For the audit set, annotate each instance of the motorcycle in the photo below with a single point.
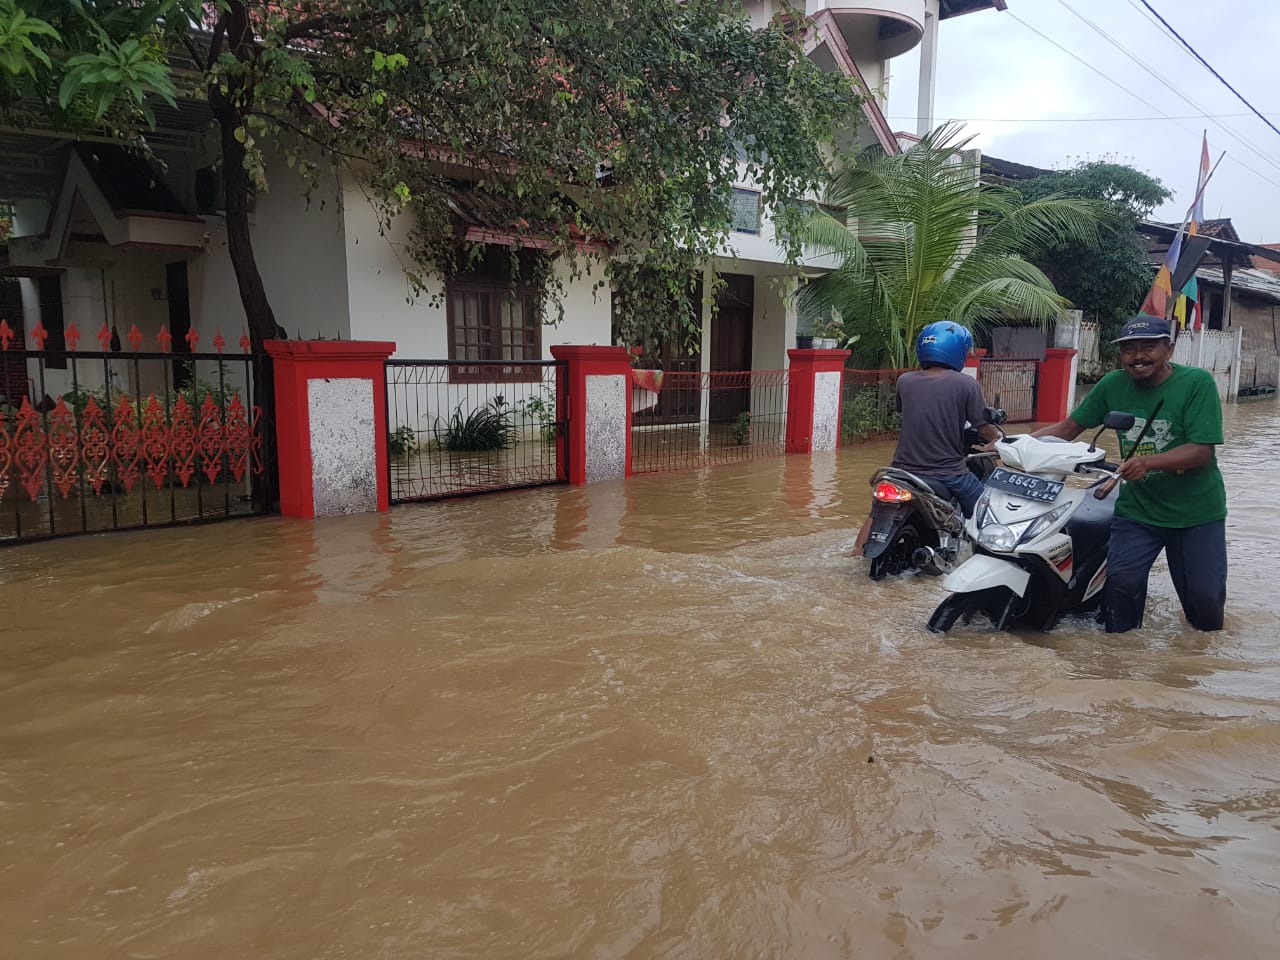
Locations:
(1040, 545)
(915, 523)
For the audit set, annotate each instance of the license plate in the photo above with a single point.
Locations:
(1025, 485)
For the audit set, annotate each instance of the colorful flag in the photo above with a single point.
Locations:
(1157, 302)
(1192, 289)
(1187, 304)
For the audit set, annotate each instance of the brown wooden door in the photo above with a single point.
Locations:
(13, 363)
(731, 334)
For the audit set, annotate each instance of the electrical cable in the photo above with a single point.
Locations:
(1168, 83)
(1192, 50)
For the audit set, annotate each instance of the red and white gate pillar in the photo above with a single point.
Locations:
(593, 400)
(1055, 384)
(331, 426)
(815, 388)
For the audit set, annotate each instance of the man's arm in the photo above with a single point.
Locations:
(1066, 429)
(989, 432)
(1182, 457)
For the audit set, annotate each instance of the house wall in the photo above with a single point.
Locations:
(300, 249)
(1259, 323)
(383, 305)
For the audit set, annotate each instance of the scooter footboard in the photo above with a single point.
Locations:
(981, 572)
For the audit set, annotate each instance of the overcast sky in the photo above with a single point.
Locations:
(1022, 96)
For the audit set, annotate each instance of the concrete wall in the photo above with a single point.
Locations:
(385, 307)
(1259, 323)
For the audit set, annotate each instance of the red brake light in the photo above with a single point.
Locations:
(887, 492)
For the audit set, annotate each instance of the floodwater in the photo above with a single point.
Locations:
(667, 718)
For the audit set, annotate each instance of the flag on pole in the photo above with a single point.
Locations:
(1183, 304)
(1157, 302)
(1188, 306)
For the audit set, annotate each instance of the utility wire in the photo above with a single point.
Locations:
(1168, 83)
(1162, 119)
(1139, 98)
(1195, 53)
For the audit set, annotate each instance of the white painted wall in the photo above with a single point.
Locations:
(301, 252)
(383, 306)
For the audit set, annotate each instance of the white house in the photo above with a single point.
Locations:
(102, 239)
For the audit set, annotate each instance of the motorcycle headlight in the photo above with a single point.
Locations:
(998, 538)
(1043, 523)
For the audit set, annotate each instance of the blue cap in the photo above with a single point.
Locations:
(1144, 327)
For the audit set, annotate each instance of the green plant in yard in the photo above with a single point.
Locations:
(742, 428)
(868, 413)
(401, 440)
(926, 240)
(541, 411)
(484, 428)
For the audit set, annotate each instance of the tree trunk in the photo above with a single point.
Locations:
(235, 179)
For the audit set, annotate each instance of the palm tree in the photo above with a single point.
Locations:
(926, 240)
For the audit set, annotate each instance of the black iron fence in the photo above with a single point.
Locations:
(869, 408)
(457, 428)
(1011, 385)
(699, 419)
(121, 438)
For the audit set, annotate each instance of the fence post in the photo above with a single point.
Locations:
(1066, 334)
(973, 363)
(593, 400)
(1056, 383)
(1235, 365)
(815, 394)
(331, 426)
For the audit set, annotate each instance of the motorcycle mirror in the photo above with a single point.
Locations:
(995, 415)
(1116, 420)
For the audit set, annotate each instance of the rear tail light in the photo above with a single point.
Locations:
(887, 492)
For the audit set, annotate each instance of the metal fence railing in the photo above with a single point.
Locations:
(1011, 386)
(121, 437)
(704, 419)
(869, 408)
(457, 428)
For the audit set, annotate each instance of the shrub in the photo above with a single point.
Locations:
(485, 428)
(869, 412)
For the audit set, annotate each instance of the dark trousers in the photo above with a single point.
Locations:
(1197, 563)
(965, 487)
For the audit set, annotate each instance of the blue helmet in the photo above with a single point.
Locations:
(945, 343)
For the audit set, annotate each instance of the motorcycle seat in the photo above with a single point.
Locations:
(936, 486)
(1090, 526)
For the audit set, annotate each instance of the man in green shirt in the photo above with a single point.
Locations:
(1172, 498)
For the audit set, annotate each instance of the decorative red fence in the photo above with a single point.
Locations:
(115, 439)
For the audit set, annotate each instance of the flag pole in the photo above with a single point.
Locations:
(1173, 294)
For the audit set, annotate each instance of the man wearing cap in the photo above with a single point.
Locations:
(1172, 497)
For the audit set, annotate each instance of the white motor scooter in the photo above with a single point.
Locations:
(1040, 544)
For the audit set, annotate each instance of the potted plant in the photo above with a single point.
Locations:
(830, 335)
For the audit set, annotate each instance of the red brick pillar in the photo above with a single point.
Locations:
(593, 399)
(1053, 391)
(973, 361)
(331, 426)
(815, 387)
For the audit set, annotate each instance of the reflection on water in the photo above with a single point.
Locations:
(663, 718)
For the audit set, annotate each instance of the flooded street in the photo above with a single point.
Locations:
(667, 718)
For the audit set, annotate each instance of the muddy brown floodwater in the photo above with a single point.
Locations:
(633, 720)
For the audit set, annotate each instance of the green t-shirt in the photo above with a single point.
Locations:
(1191, 413)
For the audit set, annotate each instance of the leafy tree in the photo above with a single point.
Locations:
(926, 240)
(589, 121)
(1107, 279)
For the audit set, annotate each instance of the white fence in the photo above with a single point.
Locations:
(1217, 351)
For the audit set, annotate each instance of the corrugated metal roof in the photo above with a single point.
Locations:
(1261, 283)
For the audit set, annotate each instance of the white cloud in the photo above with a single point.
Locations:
(992, 66)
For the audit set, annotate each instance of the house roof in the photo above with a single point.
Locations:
(1259, 283)
(1261, 262)
(1225, 244)
(1006, 171)
(955, 8)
